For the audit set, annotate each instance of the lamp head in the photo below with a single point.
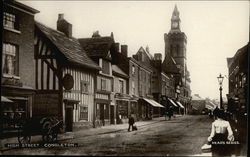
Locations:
(220, 79)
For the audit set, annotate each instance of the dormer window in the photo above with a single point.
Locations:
(10, 21)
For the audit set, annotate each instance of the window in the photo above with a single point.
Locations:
(10, 59)
(84, 87)
(9, 21)
(133, 69)
(121, 86)
(133, 87)
(103, 84)
(83, 113)
(105, 67)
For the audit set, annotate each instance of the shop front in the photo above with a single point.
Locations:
(16, 105)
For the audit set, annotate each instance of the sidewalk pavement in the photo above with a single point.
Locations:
(86, 132)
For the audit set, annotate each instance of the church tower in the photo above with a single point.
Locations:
(175, 48)
(175, 42)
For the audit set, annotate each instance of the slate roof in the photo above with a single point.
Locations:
(69, 47)
(117, 70)
(97, 46)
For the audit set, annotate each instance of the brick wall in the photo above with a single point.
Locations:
(25, 42)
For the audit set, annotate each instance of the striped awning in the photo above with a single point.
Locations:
(172, 102)
(180, 104)
(153, 103)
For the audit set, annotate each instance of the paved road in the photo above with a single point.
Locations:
(182, 136)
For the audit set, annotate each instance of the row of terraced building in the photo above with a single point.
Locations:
(86, 81)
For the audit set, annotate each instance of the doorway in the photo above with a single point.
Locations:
(112, 116)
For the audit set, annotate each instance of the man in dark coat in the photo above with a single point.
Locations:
(170, 112)
(131, 122)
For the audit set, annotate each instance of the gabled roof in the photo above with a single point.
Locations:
(169, 65)
(22, 6)
(196, 97)
(69, 47)
(229, 61)
(141, 49)
(97, 46)
(117, 70)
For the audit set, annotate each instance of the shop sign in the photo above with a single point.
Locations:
(68, 82)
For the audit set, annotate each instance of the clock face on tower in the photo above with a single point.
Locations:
(175, 24)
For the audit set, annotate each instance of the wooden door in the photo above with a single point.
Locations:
(102, 114)
(69, 119)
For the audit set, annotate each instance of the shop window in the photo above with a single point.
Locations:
(10, 21)
(122, 108)
(10, 59)
(83, 113)
(13, 112)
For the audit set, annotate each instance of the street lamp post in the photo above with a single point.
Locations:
(220, 80)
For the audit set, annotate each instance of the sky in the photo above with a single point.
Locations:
(215, 30)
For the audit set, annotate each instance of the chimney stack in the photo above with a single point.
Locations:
(158, 56)
(124, 50)
(117, 47)
(64, 26)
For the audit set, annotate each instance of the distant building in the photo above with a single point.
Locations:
(147, 107)
(131, 67)
(198, 105)
(163, 84)
(175, 48)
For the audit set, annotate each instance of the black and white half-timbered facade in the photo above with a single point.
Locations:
(64, 75)
(99, 50)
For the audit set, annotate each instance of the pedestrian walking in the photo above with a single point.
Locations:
(215, 111)
(221, 133)
(131, 122)
(170, 112)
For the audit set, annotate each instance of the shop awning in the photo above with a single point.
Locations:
(180, 104)
(4, 99)
(153, 103)
(172, 102)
